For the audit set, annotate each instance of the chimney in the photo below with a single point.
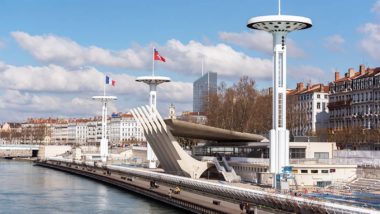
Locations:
(321, 87)
(362, 69)
(336, 75)
(300, 86)
(351, 72)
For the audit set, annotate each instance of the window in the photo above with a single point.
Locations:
(318, 105)
(321, 155)
(314, 171)
(318, 96)
(297, 153)
(325, 96)
(332, 170)
(304, 171)
(323, 183)
(324, 171)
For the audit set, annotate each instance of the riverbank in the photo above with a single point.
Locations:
(216, 193)
(187, 199)
(28, 189)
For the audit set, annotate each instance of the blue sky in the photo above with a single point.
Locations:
(53, 53)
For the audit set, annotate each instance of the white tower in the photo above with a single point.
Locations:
(104, 141)
(152, 81)
(279, 26)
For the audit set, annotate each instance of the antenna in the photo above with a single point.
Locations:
(203, 60)
(279, 7)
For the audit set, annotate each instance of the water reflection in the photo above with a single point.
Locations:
(25, 188)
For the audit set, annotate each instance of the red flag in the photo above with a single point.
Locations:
(157, 56)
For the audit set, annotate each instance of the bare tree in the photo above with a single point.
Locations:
(240, 107)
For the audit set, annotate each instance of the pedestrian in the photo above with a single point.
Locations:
(241, 205)
(247, 208)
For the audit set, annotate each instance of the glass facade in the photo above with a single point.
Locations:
(202, 88)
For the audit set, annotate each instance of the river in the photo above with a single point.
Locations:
(25, 188)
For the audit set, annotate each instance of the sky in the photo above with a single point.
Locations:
(54, 53)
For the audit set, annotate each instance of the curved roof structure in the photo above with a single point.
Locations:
(192, 130)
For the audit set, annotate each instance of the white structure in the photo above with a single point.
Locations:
(279, 26)
(124, 127)
(311, 104)
(152, 81)
(60, 133)
(104, 141)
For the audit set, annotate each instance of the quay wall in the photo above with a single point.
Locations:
(215, 190)
(130, 183)
(16, 153)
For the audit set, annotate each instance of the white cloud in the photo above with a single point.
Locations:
(220, 58)
(334, 43)
(51, 105)
(181, 57)
(306, 73)
(55, 91)
(260, 41)
(54, 49)
(57, 79)
(376, 7)
(370, 44)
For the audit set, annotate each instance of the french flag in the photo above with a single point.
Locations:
(110, 81)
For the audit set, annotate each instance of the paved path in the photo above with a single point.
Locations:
(187, 195)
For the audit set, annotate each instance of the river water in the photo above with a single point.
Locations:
(25, 188)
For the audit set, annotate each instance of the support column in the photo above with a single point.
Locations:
(104, 140)
(279, 136)
(151, 157)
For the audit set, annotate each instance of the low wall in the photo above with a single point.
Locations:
(369, 172)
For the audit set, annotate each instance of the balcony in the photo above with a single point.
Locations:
(339, 104)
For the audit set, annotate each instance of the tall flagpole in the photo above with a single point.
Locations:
(153, 63)
(104, 85)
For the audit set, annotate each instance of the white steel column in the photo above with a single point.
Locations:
(152, 81)
(104, 140)
(151, 157)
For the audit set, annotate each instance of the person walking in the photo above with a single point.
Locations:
(241, 205)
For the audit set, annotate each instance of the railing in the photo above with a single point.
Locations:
(338, 161)
(261, 161)
(356, 154)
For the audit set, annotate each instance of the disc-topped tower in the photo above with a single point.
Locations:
(104, 141)
(279, 26)
(153, 81)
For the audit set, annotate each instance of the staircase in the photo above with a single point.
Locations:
(226, 170)
(365, 184)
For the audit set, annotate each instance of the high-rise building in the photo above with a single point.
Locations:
(202, 88)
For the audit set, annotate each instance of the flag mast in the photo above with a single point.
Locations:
(153, 63)
(104, 85)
